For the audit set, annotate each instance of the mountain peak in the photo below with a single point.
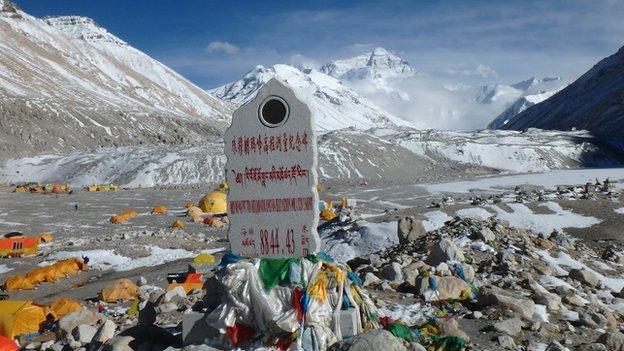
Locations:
(534, 83)
(377, 64)
(7, 6)
(83, 28)
(334, 105)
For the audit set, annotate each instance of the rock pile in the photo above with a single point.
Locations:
(525, 288)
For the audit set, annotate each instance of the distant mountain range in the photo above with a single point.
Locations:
(334, 105)
(594, 102)
(68, 84)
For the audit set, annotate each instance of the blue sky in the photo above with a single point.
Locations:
(213, 42)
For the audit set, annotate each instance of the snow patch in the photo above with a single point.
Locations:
(523, 217)
(109, 260)
(367, 238)
(435, 220)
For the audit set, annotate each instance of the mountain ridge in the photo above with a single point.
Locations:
(62, 74)
(334, 105)
(595, 102)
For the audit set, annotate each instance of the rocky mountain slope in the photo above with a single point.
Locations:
(379, 156)
(68, 84)
(333, 105)
(594, 102)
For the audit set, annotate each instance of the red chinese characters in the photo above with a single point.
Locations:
(267, 144)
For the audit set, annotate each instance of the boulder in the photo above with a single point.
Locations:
(544, 297)
(167, 307)
(84, 333)
(105, 332)
(119, 343)
(496, 296)
(592, 347)
(451, 328)
(374, 340)
(506, 342)
(614, 341)
(556, 346)
(70, 321)
(486, 234)
(592, 319)
(391, 272)
(176, 294)
(511, 326)
(443, 251)
(448, 287)
(584, 276)
(371, 279)
(442, 269)
(410, 229)
(410, 272)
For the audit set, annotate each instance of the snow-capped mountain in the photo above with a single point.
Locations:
(594, 102)
(519, 96)
(333, 105)
(509, 94)
(378, 64)
(387, 156)
(59, 75)
(517, 107)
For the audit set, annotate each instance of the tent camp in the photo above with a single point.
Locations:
(214, 202)
(18, 245)
(49, 274)
(62, 306)
(20, 317)
(159, 209)
(119, 290)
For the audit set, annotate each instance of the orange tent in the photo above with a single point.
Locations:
(194, 212)
(20, 317)
(18, 282)
(7, 344)
(46, 237)
(62, 306)
(194, 281)
(177, 224)
(18, 246)
(117, 219)
(119, 290)
(129, 213)
(48, 274)
(159, 209)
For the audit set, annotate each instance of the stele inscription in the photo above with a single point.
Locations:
(271, 172)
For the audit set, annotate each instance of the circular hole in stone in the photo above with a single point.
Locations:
(273, 112)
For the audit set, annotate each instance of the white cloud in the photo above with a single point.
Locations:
(484, 71)
(222, 46)
(302, 62)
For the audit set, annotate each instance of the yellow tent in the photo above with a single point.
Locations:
(20, 317)
(204, 258)
(117, 219)
(177, 224)
(46, 237)
(18, 282)
(119, 290)
(58, 270)
(62, 306)
(129, 214)
(328, 214)
(214, 202)
(159, 209)
(194, 212)
(48, 274)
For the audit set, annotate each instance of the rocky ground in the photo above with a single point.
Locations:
(520, 268)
